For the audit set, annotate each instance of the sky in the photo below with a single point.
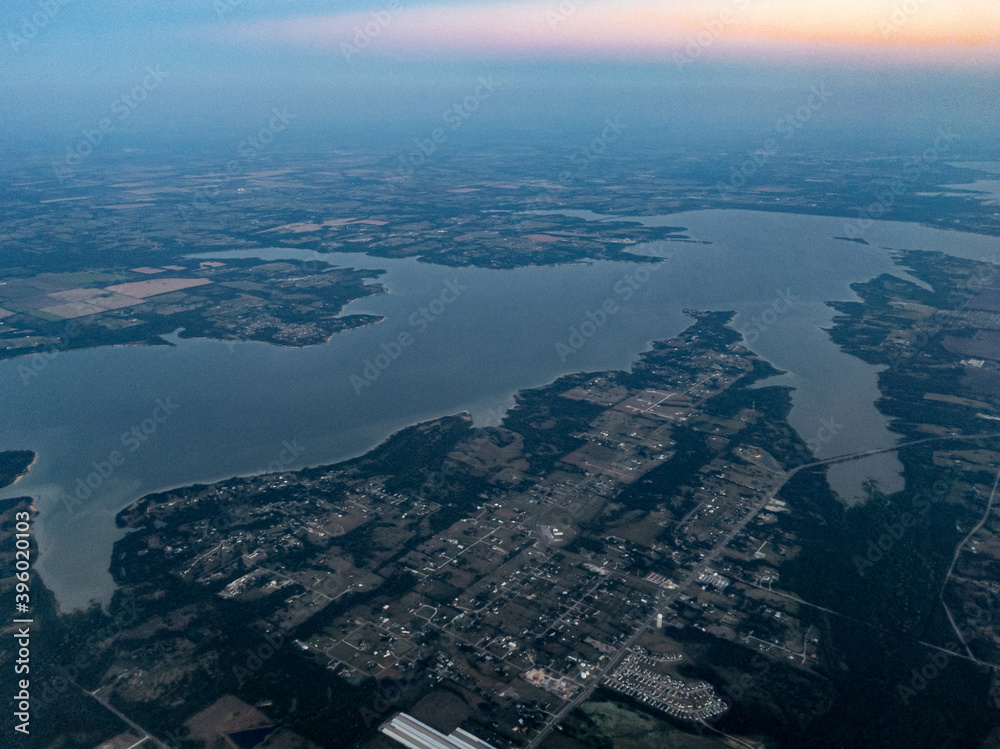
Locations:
(350, 73)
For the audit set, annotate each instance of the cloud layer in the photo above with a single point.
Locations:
(962, 31)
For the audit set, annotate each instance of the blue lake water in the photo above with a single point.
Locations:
(477, 337)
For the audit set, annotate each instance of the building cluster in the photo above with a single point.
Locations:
(713, 578)
(635, 678)
(413, 734)
(551, 681)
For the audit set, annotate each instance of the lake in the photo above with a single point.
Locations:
(202, 410)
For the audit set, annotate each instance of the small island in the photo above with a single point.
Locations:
(13, 465)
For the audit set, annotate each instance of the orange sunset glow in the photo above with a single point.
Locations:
(960, 30)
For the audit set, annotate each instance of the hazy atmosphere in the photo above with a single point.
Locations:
(482, 374)
(689, 72)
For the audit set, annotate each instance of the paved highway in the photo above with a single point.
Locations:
(697, 571)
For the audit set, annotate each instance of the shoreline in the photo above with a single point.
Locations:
(24, 472)
(364, 449)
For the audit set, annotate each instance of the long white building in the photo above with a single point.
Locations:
(413, 734)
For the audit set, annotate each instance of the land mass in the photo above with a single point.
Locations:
(106, 260)
(13, 465)
(649, 554)
(513, 580)
(287, 303)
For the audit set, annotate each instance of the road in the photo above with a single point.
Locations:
(670, 598)
(146, 735)
(954, 559)
(570, 706)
